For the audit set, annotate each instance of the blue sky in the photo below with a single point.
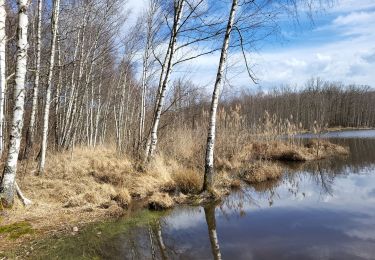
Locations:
(339, 46)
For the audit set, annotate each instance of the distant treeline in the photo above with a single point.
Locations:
(329, 104)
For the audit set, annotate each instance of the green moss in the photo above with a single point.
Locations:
(17, 230)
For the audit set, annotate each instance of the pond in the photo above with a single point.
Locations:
(319, 210)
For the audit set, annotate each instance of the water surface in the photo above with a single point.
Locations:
(319, 210)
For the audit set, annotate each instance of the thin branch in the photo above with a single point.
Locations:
(249, 71)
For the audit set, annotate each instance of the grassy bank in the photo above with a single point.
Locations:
(88, 185)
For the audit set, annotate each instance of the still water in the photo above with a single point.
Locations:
(319, 210)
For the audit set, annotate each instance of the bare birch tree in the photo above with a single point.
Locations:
(164, 77)
(30, 134)
(8, 182)
(2, 72)
(55, 20)
(150, 30)
(209, 159)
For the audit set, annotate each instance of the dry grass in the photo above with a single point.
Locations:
(282, 151)
(85, 183)
(185, 146)
(261, 172)
(188, 181)
(160, 201)
(122, 198)
(324, 149)
(86, 177)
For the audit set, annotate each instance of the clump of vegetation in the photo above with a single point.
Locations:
(260, 172)
(160, 201)
(278, 150)
(188, 181)
(326, 149)
(122, 198)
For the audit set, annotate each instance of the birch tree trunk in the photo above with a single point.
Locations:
(31, 129)
(2, 72)
(142, 112)
(179, 6)
(9, 174)
(209, 160)
(146, 64)
(57, 94)
(55, 20)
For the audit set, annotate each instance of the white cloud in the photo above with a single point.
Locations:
(340, 61)
(354, 18)
(136, 7)
(352, 5)
(347, 55)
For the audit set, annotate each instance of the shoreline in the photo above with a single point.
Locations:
(65, 205)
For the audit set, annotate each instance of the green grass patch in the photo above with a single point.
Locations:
(17, 229)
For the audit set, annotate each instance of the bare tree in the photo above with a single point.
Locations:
(55, 21)
(30, 134)
(165, 74)
(150, 31)
(8, 182)
(209, 159)
(2, 72)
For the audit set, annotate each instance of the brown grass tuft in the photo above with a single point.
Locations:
(260, 172)
(188, 181)
(160, 201)
(324, 148)
(235, 184)
(277, 150)
(122, 198)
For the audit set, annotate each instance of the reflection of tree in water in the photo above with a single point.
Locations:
(155, 234)
(151, 245)
(235, 203)
(209, 212)
(323, 172)
(144, 242)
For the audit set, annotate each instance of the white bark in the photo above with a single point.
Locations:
(31, 129)
(73, 96)
(10, 168)
(2, 72)
(55, 20)
(142, 113)
(99, 107)
(146, 65)
(179, 6)
(57, 95)
(209, 160)
(73, 100)
(25, 201)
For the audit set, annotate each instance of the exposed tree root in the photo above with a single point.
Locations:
(25, 201)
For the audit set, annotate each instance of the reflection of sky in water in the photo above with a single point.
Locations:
(324, 212)
(311, 226)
